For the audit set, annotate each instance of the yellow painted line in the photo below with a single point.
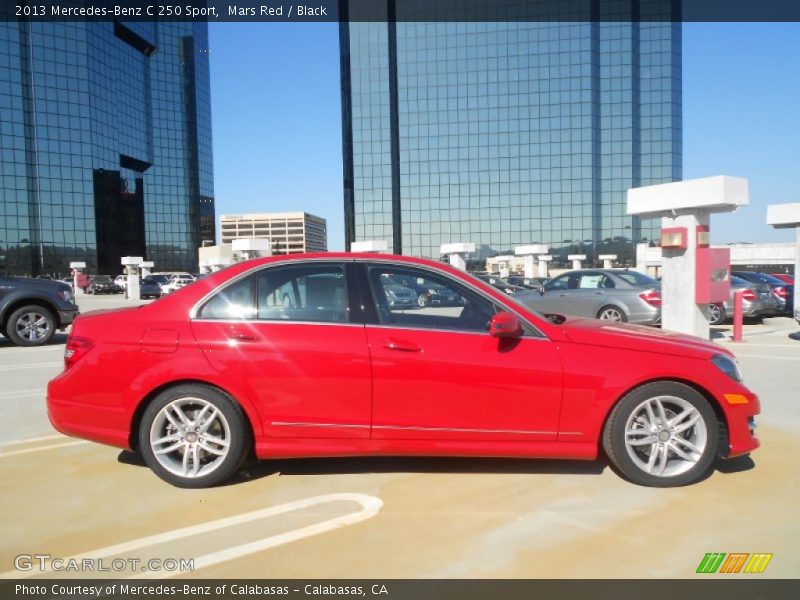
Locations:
(41, 448)
(369, 507)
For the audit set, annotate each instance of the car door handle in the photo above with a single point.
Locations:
(600, 293)
(563, 295)
(402, 346)
(241, 336)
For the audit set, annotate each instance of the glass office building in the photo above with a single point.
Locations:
(508, 133)
(105, 145)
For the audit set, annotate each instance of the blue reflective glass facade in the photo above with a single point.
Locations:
(506, 134)
(105, 145)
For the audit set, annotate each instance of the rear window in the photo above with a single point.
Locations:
(636, 278)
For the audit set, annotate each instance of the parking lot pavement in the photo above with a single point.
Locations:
(430, 517)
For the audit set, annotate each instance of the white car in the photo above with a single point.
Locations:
(121, 281)
(176, 282)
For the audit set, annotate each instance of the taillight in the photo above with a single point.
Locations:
(748, 295)
(780, 292)
(76, 348)
(653, 298)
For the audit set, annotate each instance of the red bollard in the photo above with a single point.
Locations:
(737, 316)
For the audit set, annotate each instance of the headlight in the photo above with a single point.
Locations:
(728, 366)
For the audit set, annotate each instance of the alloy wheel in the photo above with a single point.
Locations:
(611, 314)
(190, 437)
(665, 436)
(33, 326)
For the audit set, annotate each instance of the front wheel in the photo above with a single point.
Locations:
(31, 326)
(612, 313)
(194, 436)
(423, 300)
(663, 434)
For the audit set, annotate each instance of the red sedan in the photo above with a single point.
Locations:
(330, 355)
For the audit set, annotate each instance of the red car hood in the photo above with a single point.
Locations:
(639, 337)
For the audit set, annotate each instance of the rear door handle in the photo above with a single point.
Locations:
(600, 293)
(402, 346)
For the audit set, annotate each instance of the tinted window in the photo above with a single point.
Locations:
(568, 281)
(232, 302)
(434, 302)
(315, 293)
(636, 278)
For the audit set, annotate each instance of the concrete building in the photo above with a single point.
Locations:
(290, 233)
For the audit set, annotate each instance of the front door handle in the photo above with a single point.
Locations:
(401, 346)
(600, 293)
(241, 336)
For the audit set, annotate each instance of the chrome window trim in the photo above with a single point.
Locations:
(282, 322)
(193, 311)
(369, 259)
(538, 334)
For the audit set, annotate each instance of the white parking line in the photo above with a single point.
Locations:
(370, 505)
(38, 365)
(23, 393)
(40, 448)
(770, 357)
(43, 438)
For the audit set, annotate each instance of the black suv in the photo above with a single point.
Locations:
(32, 309)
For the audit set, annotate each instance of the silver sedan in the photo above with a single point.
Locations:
(610, 294)
(757, 300)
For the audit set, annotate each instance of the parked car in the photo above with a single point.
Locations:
(398, 295)
(757, 301)
(102, 284)
(529, 283)
(608, 294)
(176, 282)
(427, 293)
(121, 281)
(788, 279)
(230, 371)
(780, 289)
(150, 287)
(31, 310)
(500, 284)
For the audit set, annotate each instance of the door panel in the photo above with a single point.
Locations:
(463, 386)
(289, 336)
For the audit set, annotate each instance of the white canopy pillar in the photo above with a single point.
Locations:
(145, 267)
(77, 269)
(529, 254)
(370, 246)
(131, 264)
(247, 248)
(787, 216)
(456, 253)
(577, 260)
(543, 260)
(685, 208)
(607, 259)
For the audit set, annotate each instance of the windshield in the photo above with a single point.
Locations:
(101, 279)
(636, 278)
(764, 278)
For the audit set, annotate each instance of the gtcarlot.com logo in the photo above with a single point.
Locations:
(735, 562)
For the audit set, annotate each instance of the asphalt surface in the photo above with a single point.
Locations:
(397, 517)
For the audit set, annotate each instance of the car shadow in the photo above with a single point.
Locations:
(739, 464)
(58, 339)
(257, 469)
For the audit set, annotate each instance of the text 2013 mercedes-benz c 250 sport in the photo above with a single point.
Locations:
(303, 355)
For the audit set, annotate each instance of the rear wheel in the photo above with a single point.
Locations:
(716, 314)
(31, 326)
(194, 436)
(423, 300)
(612, 313)
(663, 434)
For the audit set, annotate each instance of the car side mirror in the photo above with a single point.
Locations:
(505, 325)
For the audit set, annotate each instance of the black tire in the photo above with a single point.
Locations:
(239, 441)
(423, 300)
(31, 325)
(610, 308)
(619, 452)
(716, 314)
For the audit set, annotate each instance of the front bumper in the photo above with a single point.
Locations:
(740, 417)
(66, 317)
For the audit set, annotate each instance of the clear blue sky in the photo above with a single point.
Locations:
(277, 118)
